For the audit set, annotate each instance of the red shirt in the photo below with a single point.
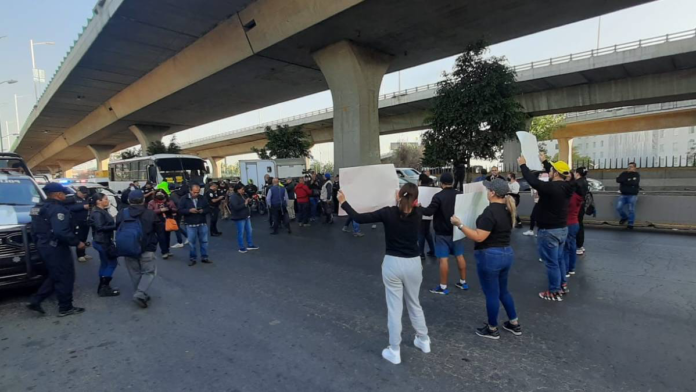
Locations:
(574, 209)
(302, 193)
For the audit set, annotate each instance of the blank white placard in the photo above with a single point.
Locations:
(369, 188)
(530, 150)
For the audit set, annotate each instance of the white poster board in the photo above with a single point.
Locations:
(425, 197)
(468, 207)
(530, 150)
(369, 188)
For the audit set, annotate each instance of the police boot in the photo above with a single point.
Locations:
(105, 289)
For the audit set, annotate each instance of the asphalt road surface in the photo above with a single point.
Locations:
(306, 312)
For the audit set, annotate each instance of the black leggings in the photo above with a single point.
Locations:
(580, 239)
(532, 218)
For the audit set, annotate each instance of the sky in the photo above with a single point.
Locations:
(61, 22)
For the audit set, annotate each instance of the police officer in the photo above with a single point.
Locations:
(214, 197)
(54, 235)
(79, 208)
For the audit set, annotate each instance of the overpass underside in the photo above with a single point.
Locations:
(144, 68)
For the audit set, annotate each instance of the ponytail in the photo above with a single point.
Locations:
(408, 194)
(512, 208)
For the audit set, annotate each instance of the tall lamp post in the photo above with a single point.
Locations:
(10, 81)
(39, 74)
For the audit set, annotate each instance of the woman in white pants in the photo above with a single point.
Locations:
(402, 272)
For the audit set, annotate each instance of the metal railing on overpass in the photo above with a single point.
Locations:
(607, 50)
(522, 67)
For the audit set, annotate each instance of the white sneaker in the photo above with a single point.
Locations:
(391, 355)
(579, 252)
(424, 345)
(177, 246)
(186, 243)
(88, 257)
(528, 232)
(345, 229)
(82, 259)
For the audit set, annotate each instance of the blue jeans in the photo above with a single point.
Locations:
(551, 243)
(314, 202)
(107, 266)
(570, 257)
(244, 228)
(493, 266)
(198, 234)
(630, 201)
(356, 225)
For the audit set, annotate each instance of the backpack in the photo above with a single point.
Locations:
(129, 236)
(590, 208)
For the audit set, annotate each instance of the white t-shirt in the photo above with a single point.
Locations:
(514, 187)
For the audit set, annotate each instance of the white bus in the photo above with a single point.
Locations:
(173, 168)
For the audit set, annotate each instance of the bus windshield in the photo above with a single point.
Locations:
(178, 170)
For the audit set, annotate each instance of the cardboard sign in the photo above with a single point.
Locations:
(425, 197)
(468, 207)
(530, 150)
(369, 188)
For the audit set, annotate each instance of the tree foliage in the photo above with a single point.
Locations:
(130, 153)
(158, 147)
(543, 126)
(474, 112)
(325, 167)
(406, 155)
(285, 142)
(577, 157)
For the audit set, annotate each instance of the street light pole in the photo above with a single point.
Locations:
(36, 72)
(16, 117)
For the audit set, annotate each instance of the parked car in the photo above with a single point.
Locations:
(20, 263)
(411, 175)
(94, 188)
(595, 185)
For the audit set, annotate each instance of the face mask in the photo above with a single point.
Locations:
(160, 197)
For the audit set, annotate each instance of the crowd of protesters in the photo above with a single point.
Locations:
(149, 214)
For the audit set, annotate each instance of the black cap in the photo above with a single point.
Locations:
(446, 178)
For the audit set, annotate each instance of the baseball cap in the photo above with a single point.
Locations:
(446, 178)
(561, 167)
(499, 186)
(54, 187)
(84, 190)
(135, 194)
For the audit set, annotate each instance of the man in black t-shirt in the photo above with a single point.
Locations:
(629, 185)
(214, 198)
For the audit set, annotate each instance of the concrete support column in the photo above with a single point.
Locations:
(354, 75)
(66, 168)
(217, 166)
(565, 150)
(512, 149)
(101, 154)
(147, 134)
(53, 170)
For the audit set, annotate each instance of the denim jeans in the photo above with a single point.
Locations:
(493, 266)
(107, 266)
(630, 201)
(356, 225)
(550, 243)
(570, 256)
(314, 201)
(198, 234)
(244, 228)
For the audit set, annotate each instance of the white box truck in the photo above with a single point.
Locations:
(281, 168)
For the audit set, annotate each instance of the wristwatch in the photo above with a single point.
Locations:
(460, 226)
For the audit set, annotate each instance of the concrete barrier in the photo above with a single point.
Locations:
(666, 209)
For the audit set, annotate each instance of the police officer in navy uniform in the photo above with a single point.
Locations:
(54, 234)
(79, 210)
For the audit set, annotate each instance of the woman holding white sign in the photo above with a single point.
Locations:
(494, 256)
(402, 273)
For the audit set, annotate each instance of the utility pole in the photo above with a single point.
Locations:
(16, 117)
(2, 144)
(599, 28)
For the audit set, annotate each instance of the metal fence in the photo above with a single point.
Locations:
(688, 160)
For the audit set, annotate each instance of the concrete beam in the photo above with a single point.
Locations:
(354, 75)
(66, 168)
(216, 166)
(101, 154)
(231, 150)
(656, 88)
(647, 122)
(147, 134)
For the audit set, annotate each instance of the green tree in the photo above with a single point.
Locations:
(474, 112)
(158, 147)
(173, 147)
(130, 153)
(543, 127)
(326, 167)
(285, 142)
(231, 170)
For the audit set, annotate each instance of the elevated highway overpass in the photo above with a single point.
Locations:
(145, 68)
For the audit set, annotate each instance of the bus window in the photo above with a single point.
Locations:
(119, 172)
(111, 174)
(182, 169)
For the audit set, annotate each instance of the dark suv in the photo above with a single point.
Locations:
(20, 264)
